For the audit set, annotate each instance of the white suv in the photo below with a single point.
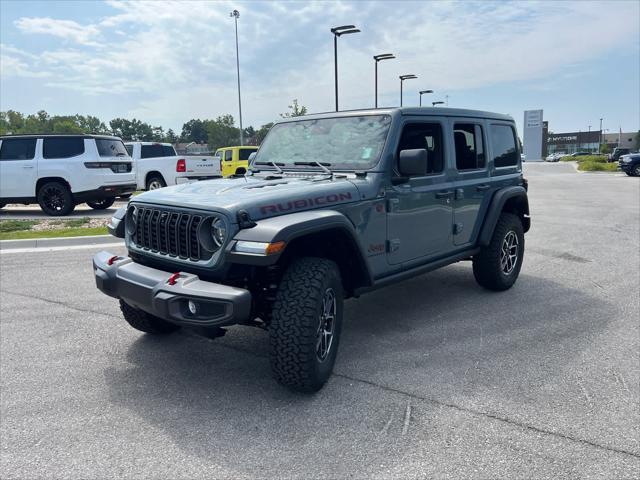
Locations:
(60, 171)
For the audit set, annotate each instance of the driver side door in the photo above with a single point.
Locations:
(420, 208)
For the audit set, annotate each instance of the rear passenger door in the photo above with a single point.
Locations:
(18, 167)
(471, 184)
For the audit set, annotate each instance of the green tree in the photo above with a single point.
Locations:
(222, 132)
(604, 148)
(194, 130)
(171, 137)
(262, 132)
(296, 110)
(65, 126)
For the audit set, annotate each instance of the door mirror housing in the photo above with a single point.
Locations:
(413, 162)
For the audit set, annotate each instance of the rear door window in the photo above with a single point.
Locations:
(111, 148)
(62, 147)
(129, 150)
(503, 144)
(152, 151)
(18, 149)
(168, 151)
(228, 155)
(469, 146)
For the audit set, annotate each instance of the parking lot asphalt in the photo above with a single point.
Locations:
(435, 376)
(33, 212)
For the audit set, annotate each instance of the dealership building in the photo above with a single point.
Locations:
(538, 141)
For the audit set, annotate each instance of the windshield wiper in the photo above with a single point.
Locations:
(275, 165)
(322, 165)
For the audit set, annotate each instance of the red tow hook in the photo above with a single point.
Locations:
(112, 259)
(173, 278)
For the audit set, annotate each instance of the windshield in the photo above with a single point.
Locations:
(352, 143)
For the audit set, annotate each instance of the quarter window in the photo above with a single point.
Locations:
(245, 152)
(62, 147)
(503, 144)
(18, 149)
(427, 136)
(469, 146)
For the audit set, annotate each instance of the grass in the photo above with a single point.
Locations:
(592, 163)
(56, 233)
(10, 226)
(77, 222)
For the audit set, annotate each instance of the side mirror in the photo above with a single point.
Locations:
(413, 162)
(252, 155)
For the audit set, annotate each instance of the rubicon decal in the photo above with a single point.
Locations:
(305, 203)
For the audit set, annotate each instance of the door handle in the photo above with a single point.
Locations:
(482, 188)
(27, 166)
(445, 194)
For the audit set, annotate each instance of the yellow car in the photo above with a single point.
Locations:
(234, 158)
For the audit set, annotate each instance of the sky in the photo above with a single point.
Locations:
(167, 62)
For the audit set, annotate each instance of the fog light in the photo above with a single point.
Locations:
(193, 307)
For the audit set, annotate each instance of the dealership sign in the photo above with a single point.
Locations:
(573, 138)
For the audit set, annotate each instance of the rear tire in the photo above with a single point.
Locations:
(55, 199)
(102, 204)
(497, 266)
(145, 322)
(306, 321)
(155, 182)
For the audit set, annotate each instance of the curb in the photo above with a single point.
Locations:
(58, 242)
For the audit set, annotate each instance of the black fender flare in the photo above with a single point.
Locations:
(496, 207)
(287, 228)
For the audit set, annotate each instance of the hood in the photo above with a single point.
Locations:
(259, 196)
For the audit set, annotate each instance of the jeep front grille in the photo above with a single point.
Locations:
(169, 233)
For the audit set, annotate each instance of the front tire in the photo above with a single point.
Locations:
(306, 321)
(636, 171)
(55, 199)
(497, 266)
(102, 204)
(145, 322)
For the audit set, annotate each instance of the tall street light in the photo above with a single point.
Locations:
(600, 136)
(236, 14)
(337, 32)
(402, 79)
(421, 92)
(378, 58)
(433, 104)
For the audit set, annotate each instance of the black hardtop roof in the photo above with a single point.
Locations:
(72, 135)
(407, 111)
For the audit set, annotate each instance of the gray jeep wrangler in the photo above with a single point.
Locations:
(334, 205)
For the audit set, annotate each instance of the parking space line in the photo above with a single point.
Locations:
(59, 248)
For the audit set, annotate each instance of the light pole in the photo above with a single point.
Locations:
(433, 104)
(446, 97)
(378, 58)
(402, 79)
(338, 31)
(236, 14)
(423, 92)
(600, 136)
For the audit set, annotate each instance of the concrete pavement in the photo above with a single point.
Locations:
(435, 377)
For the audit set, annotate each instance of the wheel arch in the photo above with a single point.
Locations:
(153, 173)
(325, 234)
(43, 180)
(513, 200)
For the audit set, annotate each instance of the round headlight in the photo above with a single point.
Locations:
(218, 232)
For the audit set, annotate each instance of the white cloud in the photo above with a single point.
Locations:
(65, 29)
(171, 61)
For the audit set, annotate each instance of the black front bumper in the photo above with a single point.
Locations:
(149, 289)
(102, 193)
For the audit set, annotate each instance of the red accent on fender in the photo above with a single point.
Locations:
(173, 278)
(112, 259)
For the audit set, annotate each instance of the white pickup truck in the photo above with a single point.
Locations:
(157, 165)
